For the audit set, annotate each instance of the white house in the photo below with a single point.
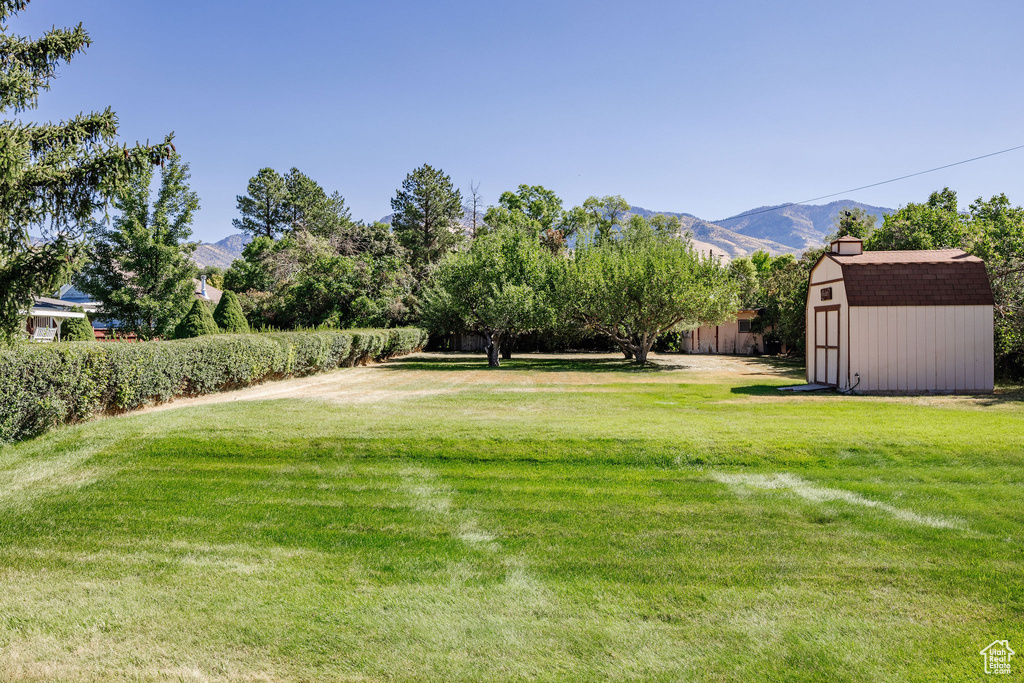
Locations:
(44, 319)
(899, 321)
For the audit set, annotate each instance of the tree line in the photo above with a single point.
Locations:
(525, 265)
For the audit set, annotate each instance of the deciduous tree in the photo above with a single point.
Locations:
(642, 284)
(500, 287)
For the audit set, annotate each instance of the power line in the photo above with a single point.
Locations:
(864, 187)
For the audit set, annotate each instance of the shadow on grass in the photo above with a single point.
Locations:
(580, 363)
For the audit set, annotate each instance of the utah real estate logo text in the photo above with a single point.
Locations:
(997, 657)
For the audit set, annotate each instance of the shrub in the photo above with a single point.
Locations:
(228, 315)
(197, 322)
(77, 329)
(44, 385)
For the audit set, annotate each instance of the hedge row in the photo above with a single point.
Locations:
(43, 385)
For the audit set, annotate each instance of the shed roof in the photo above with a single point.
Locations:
(933, 277)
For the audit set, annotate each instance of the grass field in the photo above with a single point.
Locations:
(563, 518)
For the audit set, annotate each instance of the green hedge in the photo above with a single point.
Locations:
(43, 385)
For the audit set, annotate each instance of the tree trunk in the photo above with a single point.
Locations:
(506, 347)
(640, 355)
(493, 349)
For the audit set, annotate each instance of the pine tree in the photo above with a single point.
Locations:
(264, 208)
(197, 322)
(53, 176)
(140, 266)
(228, 315)
(427, 214)
(77, 329)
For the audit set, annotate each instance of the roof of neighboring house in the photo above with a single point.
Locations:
(55, 308)
(212, 293)
(935, 277)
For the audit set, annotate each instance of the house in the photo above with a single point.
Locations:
(899, 321)
(107, 330)
(205, 292)
(43, 320)
(730, 337)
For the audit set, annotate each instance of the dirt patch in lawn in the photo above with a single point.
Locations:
(431, 374)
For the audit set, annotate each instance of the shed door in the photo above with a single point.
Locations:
(826, 345)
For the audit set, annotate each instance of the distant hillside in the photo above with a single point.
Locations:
(712, 238)
(797, 227)
(222, 253)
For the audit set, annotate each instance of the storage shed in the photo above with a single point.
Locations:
(899, 321)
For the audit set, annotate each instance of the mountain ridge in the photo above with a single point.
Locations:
(779, 229)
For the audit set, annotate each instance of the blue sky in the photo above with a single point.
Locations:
(711, 108)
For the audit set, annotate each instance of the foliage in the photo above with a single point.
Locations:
(356, 277)
(140, 268)
(214, 275)
(853, 222)
(197, 322)
(643, 284)
(252, 272)
(604, 215)
(500, 287)
(311, 209)
(228, 315)
(427, 218)
(53, 176)
(264, 207)
(744, 272)
(936, 224)
(43, 385)
(77, 329)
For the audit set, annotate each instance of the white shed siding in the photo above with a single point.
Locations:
(827, 274)
(922, 348)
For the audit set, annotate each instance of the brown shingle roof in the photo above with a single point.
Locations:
(938, 277)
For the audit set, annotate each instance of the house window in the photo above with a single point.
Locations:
(745, 326)
(826, 293)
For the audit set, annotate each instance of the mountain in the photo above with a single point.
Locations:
(797, 226)
(222, 253)
(712, 238)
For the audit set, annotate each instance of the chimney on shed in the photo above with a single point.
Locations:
(202, 283)
(848, 246)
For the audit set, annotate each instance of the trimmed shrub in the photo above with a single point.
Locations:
(77, 329)
(44, 385)
(197, 322)
(228, 315)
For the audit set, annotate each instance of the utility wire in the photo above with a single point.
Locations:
(864, 187)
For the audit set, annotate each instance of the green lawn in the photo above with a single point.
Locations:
(558, 519)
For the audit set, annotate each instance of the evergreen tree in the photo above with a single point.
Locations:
(53, 176)
(228, 315)
(77, 329)
(427, 214)
(197, 322)
(264, 208)
(141, 268)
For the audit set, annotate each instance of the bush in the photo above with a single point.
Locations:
(228, 315)
(44, 385)
(77, 329)
(197, 322)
